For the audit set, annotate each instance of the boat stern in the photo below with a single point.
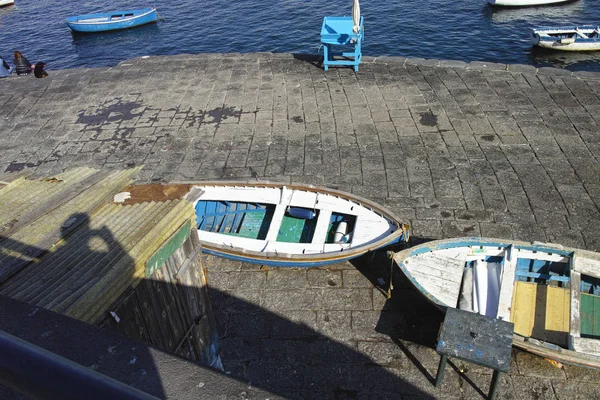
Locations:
(534, 37)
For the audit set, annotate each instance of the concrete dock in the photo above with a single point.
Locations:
(454, 149)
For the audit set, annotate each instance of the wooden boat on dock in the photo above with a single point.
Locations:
(550, 293)
(282, 225)
(578, 38)
(525, 3)
(110, 21)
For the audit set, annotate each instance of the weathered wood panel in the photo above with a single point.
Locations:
(541, 312)
(171, 309)
(590, 316)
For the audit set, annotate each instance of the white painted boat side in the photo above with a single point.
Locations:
(6, 2)
(524, 3)
(557, 45)
(370, 226)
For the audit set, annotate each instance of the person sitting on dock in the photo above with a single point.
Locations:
(5, 69)
(38, 70)
(22, 64)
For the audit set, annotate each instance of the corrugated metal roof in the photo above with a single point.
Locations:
(86, 270)
(33, 211)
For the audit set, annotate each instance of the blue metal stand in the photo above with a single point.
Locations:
(337, 31)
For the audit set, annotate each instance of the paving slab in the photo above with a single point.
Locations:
(456, 149)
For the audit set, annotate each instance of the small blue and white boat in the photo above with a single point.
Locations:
(573, 38)
(115, 20)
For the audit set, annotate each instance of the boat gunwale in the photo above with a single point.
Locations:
(83, 22)
(560, 354)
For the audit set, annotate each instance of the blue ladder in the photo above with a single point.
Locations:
(337, 31)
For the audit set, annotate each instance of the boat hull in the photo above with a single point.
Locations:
(584, 38)
(6, 2)
(293, 262)
(405, 258)
(525, 3)
(103, 22)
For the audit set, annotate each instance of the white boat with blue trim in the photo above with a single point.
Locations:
(290, 225)
(281, 225)
(551, 293)
(574, 38)
(525, 3)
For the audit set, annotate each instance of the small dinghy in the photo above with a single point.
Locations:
(525, 3)
(581, 38)
(290, 226)
(550, 293)
(111, 21)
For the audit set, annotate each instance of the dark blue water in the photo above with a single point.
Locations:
(464, 30)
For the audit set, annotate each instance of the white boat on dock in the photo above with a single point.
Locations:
(283, 225)
(578, 38)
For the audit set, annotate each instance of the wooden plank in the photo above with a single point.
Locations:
(590, 315)
(167, 249)
(432, 264)
(542, 256)
(586, 345)
(575, 320)
(507, 284)
(152, 314)
(587, 266)
(558, 309)
(523, 307)
(322, 228)
(548, 277)
(276, 223)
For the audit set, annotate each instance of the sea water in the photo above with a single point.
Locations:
(466, 30)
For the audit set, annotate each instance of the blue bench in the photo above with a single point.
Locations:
(337, 31)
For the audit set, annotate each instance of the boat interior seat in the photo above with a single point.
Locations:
(542, 312)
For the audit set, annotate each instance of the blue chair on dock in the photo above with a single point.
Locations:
(341, 45)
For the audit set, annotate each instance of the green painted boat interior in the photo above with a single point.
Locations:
(249, 220)
(297, 230)
(590, 307)
(252, 220)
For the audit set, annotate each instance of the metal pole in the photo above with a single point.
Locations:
(41, 374)
(440, 373)
(494, 385)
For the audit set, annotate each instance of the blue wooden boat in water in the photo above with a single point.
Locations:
(115, 20)
(551, 293)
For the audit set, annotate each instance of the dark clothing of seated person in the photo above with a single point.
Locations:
(22, 65)
(38, 70)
